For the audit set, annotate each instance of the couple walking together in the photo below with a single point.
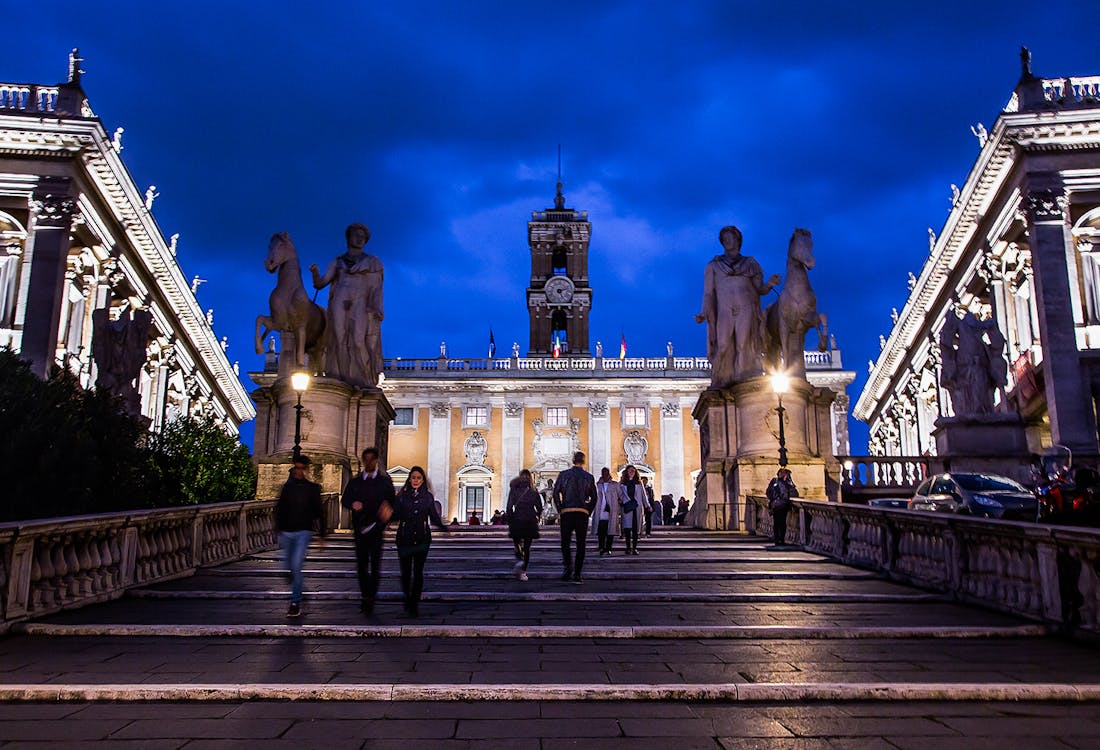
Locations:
(621, 509)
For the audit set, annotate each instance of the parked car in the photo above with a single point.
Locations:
(889, 502)
(985, 495)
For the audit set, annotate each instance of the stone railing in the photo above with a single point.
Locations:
(60, 563)
(511, 367)
(881, 472)
(1046, 573)
(20, 97)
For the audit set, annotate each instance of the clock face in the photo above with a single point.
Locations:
(559, 289)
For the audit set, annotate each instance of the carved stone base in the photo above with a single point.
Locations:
(1000, 435)
(739, 442)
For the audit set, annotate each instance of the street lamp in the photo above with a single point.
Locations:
(299, 381)
(781, 383)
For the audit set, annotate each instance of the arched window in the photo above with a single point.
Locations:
(557, 331)
(558, 263)
(1086, 234)
(12, 239)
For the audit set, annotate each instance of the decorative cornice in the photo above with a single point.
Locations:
(1047, 206)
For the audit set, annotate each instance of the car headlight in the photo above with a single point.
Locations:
(986, 501)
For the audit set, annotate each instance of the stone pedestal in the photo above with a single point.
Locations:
(739, 442)
(995, 443)
(338, 422)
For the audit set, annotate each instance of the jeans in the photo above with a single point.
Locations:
(523, 551)
(368, 563)
(630, 536)
(602, 537)
(573, 522)
(295, 545)
(412, 561)
(779, 525)
(648, 522)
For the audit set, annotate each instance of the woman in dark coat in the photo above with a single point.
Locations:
(524, 512)
(414, 510)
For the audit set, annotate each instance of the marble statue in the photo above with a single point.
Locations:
(151, 195)
(787, 320)
(119, 351)
(515, 348)
(732, 287)
(980, 133)
(291, 308)
(353, 350)
(974, 367)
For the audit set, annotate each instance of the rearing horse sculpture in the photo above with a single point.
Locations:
(787, 320)
(292, 311)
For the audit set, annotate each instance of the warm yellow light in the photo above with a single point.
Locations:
(299, 381)
(781, 382)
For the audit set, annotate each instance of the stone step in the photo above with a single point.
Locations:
(834, 573)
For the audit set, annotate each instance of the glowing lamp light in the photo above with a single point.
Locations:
(299, 381)
(781, 382)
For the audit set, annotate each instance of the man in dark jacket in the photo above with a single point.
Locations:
(649, 508)
(296, 511)
(574, 497)
(780, 491)
(369, 496)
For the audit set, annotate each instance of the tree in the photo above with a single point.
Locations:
(197, 462)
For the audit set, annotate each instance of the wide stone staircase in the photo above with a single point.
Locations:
(705, 639)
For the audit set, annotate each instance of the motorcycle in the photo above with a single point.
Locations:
(1067, 494)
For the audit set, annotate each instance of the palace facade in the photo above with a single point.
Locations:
(474, 423)
(1021, 246)
(77, 237)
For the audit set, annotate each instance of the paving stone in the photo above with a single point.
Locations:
(229, 728)
(587, 728)
(64, 730)
(408, 729)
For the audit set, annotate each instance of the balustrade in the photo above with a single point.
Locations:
(52, 564)
(1047, 573)
(883, 471)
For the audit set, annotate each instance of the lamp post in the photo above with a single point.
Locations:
(299, 381)
(781, 383)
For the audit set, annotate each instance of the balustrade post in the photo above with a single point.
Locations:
(242, 530)
(1050, 582)
(128, 549)
(954, 562)
(19, 578)
(196, 540)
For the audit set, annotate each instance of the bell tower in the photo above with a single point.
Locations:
(559, 297)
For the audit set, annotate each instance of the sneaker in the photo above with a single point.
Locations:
(517, 569)
(577, 580)
(567, 575)
(294, 610)
(523, 576)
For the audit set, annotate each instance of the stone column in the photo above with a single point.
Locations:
(1069, 402)
(439, 455)
(52, 207)
(672, 451)
(511, 445)
(599, 437)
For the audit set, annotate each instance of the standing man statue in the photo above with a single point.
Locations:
(732, 287)
(354, 352)
(974, 365)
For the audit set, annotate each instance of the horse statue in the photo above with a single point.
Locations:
(787, 320)
(292, 311)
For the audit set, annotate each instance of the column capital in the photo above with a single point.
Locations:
(1047, 205)
(52, 204)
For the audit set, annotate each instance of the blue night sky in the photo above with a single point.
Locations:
(437, 125)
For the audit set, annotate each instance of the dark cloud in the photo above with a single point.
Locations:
(438, 123)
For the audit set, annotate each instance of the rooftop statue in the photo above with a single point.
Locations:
(795, 312)
(973, 363)
(354, 340)
(732, 287)
(291, 308)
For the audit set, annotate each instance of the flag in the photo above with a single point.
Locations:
(622, 347)
(492, 344)
(557, 346)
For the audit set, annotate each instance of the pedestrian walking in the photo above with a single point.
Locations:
(524, 511)
(369, 496)
(632, 497)
(648, 506)
(669, 508)
(415, 510)
(606, 515)
(297, 510)
(681, 511)
(780, 491)
(574, 497)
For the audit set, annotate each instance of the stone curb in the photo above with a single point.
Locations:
(725, 692)
(555, 596)
(706, 632)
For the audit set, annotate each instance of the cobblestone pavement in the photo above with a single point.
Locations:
(703, 615)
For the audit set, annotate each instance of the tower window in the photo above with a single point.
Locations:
(557, 330)
(558, 265)
(557, 416)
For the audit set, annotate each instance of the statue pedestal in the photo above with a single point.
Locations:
(338, 422)
(995, 443)
(739, 442)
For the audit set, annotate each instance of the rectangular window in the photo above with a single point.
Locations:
(557, 416)
(475, 502)
(404, 416)
(634, 416)
(477, 416)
